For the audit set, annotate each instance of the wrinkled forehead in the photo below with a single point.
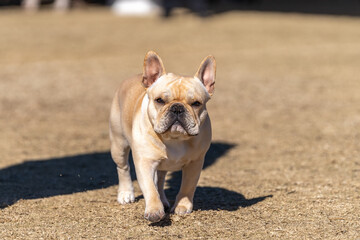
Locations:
(178, 87)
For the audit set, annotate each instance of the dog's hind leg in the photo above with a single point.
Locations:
(160, 185)
(120, 153)
(121, 158)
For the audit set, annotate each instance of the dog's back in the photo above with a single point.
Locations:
(126, 103)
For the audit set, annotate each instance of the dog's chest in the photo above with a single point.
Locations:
(177, 155)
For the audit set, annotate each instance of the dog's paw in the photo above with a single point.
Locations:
(125, 197)
(184, 206)
(182, 210)
(154, 216)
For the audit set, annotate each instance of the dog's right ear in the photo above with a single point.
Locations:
(153, 68)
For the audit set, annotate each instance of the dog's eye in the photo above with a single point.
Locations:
(196, 104)
(159, 100)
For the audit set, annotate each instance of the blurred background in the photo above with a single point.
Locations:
(201, 7)
(285, 115)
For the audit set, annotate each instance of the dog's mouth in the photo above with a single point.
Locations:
(177, 127)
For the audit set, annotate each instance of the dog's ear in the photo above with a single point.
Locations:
(153, 68)
(206, 73)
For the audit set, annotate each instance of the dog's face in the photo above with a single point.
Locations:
(176, 104)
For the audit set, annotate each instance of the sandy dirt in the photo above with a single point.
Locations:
(284, 163)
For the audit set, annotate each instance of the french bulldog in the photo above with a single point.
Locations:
(162, 118)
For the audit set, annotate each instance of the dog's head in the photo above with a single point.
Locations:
(176, 105)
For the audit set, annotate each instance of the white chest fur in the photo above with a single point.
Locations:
(177, 153)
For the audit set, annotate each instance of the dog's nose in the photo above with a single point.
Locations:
(177, 108)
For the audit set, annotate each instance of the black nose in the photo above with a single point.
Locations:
(177, 108)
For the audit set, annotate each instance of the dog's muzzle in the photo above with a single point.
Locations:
(177, 109)
(177, 120)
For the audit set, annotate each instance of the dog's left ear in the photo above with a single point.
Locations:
(207, 73)
(153, 68)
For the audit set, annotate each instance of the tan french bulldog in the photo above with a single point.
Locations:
(162, 117)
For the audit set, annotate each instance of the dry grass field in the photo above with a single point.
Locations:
(285, 158)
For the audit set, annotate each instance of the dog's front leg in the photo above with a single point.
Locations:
(147, 177)
(190, 177)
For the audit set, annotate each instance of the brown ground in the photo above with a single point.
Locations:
(286, 119)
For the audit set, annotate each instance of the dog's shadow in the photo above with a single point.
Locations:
(212, 198)
(71, 174)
